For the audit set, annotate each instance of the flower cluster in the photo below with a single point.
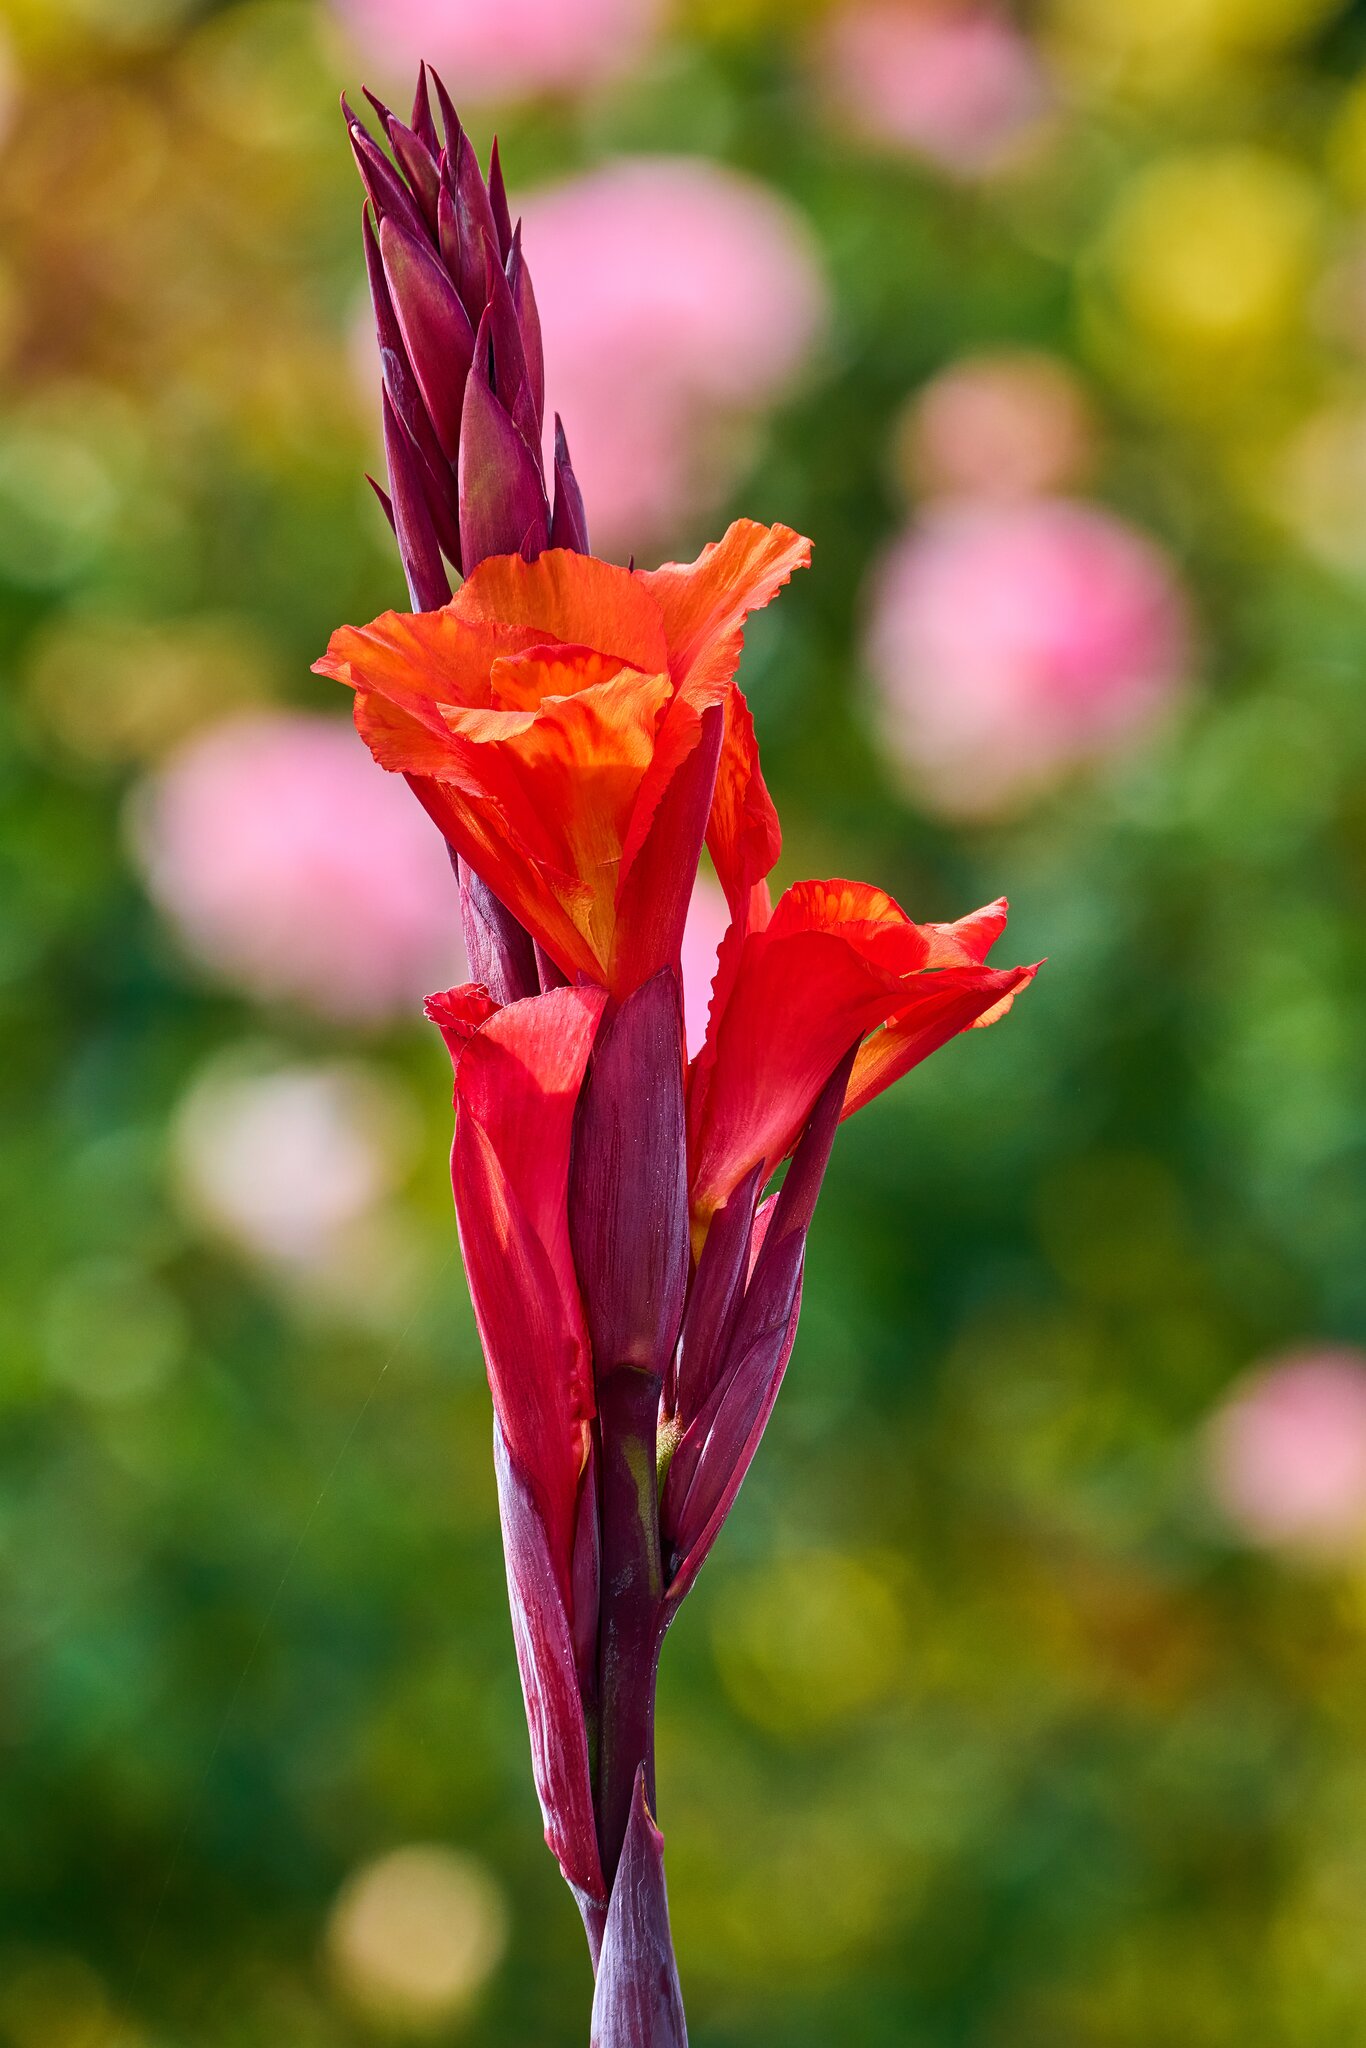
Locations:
(576, 732)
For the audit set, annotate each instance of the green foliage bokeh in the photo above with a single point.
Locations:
(981, 1730)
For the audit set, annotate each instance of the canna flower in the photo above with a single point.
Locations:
(576, 730)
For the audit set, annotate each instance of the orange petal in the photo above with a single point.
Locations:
(569, 597)
(450, 781)
(540, 802)
(553, 907)
(567, 786)
(705, 603)
(829, 905)
(519, 682)
(403, 741)
(417, 658)
(870, 919)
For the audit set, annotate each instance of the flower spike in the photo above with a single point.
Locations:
(576, 731)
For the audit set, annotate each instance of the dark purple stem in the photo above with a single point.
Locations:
(630, 1629)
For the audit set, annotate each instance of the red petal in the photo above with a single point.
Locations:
(458, 1013)
(944, 1003)
(799, 1001)
(744, 837)
(516, 1087)
(972, 937)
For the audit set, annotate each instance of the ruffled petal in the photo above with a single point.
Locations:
(704, 604)
(417, 659)
(569, 597)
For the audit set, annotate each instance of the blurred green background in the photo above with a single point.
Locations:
(999, 1719)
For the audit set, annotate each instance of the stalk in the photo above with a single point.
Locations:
(632, 1601)
(637, 2002)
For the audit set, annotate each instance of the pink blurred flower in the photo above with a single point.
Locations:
(504, 49)
(283, 1159)
(1008, 643)
(1007, 425)
(676, 298)
(1287, 1452)
(708, 918)
(295, 872)
(956, 84)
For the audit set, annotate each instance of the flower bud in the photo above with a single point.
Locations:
(460, 348)
(628, 1192)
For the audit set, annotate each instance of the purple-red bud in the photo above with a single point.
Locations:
(419, 549)
(444, 266)
(419, 167)
(387, 192)
(550, 1681)
(569, 525)
(628, 1192)
(423, 125)
(502, 498)
(528, 328)
(498, 202)
(497, 947)
(717, 1448)
(511, 382)
(465, 222)
(714, 1298)
(436, 331)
